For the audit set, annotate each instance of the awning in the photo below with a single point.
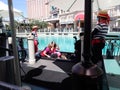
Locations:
(79, 16)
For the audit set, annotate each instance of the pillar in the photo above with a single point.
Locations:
(31, 51)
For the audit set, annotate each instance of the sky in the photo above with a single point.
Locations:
(18, 4)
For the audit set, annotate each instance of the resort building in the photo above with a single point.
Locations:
(64, 20)
(37, 9)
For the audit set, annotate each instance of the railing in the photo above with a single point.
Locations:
(48, 30)
(56, 31)
(25, 33)
(112, 47)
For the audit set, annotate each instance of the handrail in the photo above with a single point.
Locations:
(10, 86)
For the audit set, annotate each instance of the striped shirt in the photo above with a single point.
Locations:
(100, 31)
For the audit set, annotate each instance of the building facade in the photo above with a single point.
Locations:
(43, 10)
(37, 9)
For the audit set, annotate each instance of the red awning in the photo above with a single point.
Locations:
(79, 16)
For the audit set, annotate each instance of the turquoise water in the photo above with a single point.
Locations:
(114, 46)
(66, 43)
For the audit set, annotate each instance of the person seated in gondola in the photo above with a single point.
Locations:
(46, 52)
(55, 51)
(51, 51)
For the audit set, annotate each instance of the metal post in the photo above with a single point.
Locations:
(87, 35)
(86, 67)
(15, 62)
(85, 71)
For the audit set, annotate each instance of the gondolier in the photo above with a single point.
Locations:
(98, 36)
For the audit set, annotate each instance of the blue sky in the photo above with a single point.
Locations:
(18, 4)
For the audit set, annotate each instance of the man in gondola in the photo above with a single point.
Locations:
(98, 36)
